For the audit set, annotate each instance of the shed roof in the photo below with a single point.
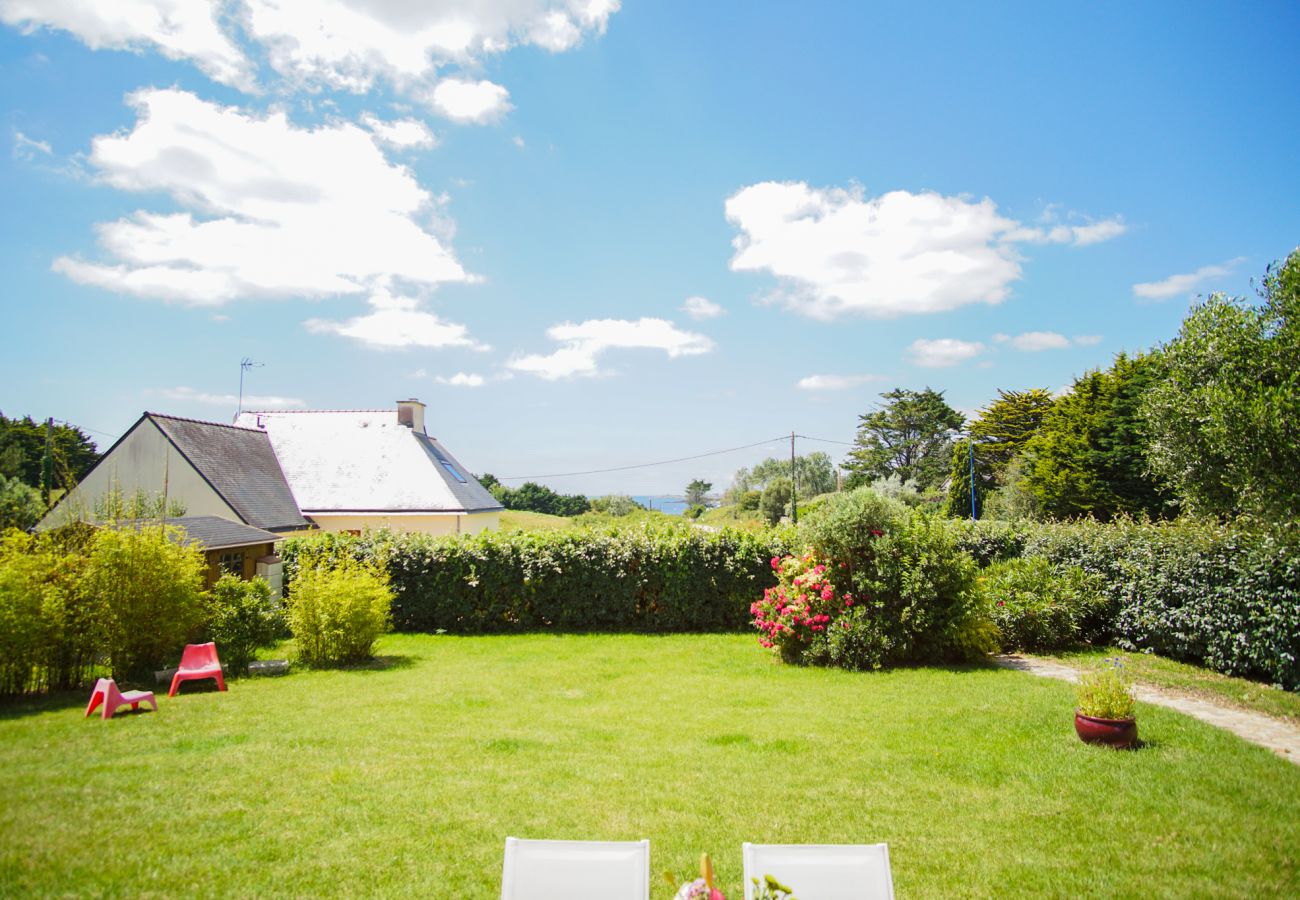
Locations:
(365, 461)
(216, 533)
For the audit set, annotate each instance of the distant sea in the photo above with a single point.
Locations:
(674, 506)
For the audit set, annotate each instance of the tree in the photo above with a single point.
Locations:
(20, 504)
(1001, 432)
(775, 501)
(815, 471)
(959, 482)
(534, 497)
(909, 435)
(1224, 420)
(22, 449)
(615, 505)
(1089, 456)
(697, 492)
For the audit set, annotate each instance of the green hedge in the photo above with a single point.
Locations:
(653, 578)
(1227, 596)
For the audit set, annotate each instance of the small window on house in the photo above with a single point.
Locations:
(231, 564)
(447, 464)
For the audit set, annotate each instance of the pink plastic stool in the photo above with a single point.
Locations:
(198, 661)
(107, 693)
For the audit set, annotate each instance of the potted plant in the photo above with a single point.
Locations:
(1105, 711)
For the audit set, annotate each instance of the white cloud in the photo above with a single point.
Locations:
(251, 401)
(396, 323)
(1034, 341)
(469, 101)
(835, 382)
(401, 134)
(1087, 340)
(1175, 285)
(179, 29)
(269, 209)
(462, 379)
(943, 352)
(702, 308)
(585, 342)
(519, 142)
(26, 148)
(1001, 338)
(837, 252)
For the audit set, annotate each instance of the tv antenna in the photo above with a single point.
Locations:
(244, 365)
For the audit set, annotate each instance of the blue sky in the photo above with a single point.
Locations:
(503, 209)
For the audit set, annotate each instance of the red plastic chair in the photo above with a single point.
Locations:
(107, 693)
(198, 661)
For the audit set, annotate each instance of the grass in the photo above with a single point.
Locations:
(1158, 671)
(749, 519)
(522, 520)
(404, 778)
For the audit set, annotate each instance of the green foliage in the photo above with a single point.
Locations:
(749, 500)
(958, 501)
(815, 472)
(775, 501)
(1000, 434)
(1106, 692)
(1225, 418)
(116, 506)
(697, 492)
(22, 449)
(615, 505)
(21, 506)
(151, 589)
(914, 593)
(908, 435)
(1012, 501)
(1038, 607)
(1088, 457)
(988, 540)
(338, 610)
(655, 577)
(243, 617)
(533, 497)
(26, 626)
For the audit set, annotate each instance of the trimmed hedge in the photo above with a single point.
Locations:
(653, 578)
(1227, 596)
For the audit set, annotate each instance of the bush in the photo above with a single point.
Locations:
(26, 632)
(151, 588)
(337, 611)
(654, 577)
(796, 613)
(1038, 607)
(242, 618)
(915, 598)
(989, 541)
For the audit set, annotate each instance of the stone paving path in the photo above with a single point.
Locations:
(1278, 736)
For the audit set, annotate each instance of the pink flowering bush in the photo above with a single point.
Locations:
(794, 615)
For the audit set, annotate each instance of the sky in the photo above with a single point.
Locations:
(591, 234)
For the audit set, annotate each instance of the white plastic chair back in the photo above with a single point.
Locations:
(576, 870)
(822, 871)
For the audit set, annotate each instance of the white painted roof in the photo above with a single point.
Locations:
(364, 461)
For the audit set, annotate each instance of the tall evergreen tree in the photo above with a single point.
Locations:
(1001, 432)
(909, 435)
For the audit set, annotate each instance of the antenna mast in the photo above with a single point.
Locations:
(244, 365)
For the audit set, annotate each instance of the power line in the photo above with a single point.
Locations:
(824, 440)
(646, 465)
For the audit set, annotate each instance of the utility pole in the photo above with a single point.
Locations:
(970, 445)
(47, 462)
(794, 486)
(244, 365)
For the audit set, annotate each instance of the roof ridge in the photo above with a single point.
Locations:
(157, 415)
(280, 412)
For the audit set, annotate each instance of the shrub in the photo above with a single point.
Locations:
(337, 611)
(1106, 692)
(151, 588)
(797, 611)
(26, 631)
(242, 618)
(1038, 607)
(989, 541)
(914, 593)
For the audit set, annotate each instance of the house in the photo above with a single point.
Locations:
(223, 471)
(356, 469)
(229, 548)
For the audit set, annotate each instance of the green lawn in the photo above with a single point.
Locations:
(1147, 668)
(406, 778)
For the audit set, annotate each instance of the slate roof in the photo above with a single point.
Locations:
(364, 461)
(216, 533)
(240, 465)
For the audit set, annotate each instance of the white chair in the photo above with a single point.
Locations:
(822, 871)
(576, 870)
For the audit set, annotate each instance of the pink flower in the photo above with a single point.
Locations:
(776, 562)
(827, 593)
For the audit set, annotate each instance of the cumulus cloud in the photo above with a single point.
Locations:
(1087, 340)
(469, 101)
(585, 342)
(1176, 285)
(400, 134)
(395, 323)
(269, 209)
(943, 352)
(254, 401)
(839, 252)
(702, 308)
(462, 379)
(1034, 341)
(834, 382)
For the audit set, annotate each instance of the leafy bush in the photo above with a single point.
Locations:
(21, 505)
(655, 577)
(989, 541)
(794, 614)
(151, 588)
(1038, 607)
(914, 593)
(242, 618)
(337, 611)
(1106, 691)
(26, 630)
(615, 505)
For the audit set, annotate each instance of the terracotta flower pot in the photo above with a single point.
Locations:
(1118, 733)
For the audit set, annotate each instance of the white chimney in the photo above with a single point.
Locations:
(411, 414)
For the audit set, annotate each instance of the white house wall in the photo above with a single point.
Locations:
(144, 460)
(471, 523)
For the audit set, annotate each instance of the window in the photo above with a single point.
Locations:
(447, 464)
(231, 564)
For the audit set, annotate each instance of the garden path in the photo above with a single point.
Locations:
(1280, 737)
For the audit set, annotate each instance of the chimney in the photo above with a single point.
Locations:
(411, 414)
